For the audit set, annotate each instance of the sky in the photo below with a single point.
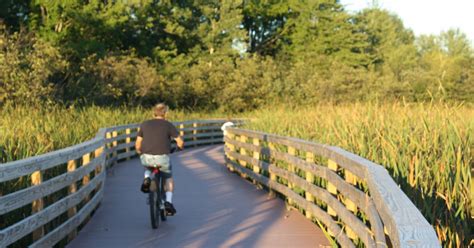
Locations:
(426, 16)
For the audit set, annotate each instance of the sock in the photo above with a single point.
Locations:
(169, 195)
(147, 173)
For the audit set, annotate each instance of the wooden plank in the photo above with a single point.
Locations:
(201, 142)
(357, 196)
(201, 135)
(25, 196)
(321, 215)
(59, 233)
(15, 169)
(405, 224)
(201, 128)
(120, 137)
(122, 127)
(17, 231)
(347, 217)
(126, 154)
(38, 204)
(209, 121)
(334, 153)
(322, 195)
(120, 147)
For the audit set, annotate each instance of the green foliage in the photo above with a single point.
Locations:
(27, 68)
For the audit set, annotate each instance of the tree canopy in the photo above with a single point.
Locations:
(232, 55)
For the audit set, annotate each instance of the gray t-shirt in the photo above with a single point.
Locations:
(157, 134)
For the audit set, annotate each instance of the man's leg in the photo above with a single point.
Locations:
(145, 188)
(169, 187)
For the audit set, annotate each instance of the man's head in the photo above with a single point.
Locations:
(160, 110)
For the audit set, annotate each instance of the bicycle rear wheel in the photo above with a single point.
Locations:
(155, 202)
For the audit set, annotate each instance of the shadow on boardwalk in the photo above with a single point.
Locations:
(215, 209)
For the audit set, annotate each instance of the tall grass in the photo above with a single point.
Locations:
(30, 131)
(34, 130)
(427, 149)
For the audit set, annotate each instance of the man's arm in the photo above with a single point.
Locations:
(138, 145)
(179, 142)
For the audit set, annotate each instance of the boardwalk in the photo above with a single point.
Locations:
(215, 209)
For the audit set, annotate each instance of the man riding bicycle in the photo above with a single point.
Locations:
(154, 146)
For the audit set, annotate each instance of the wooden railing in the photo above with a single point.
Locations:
(66, 186)
(354, 199)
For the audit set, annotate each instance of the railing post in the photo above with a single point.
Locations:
(256, 155)
(331, 187)
(243, 139)
(291, 168)
(194, 133)
(108, 135)
(114, 143)
(310, 179)
(37, 206)
(98, 169)
(273, 176)
(350, 205)
(72, 166)
(231, 148)
(86, 158)
(127, 141)
(181, 132)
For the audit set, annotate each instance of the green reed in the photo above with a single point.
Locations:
(427, 149)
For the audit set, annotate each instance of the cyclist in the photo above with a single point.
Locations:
(154, 146)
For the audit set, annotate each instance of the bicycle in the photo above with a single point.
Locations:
(156, 194)
(155, 198)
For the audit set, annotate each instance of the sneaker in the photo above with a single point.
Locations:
(170, 210)
(146, 185)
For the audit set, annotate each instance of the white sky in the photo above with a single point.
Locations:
(425, 16)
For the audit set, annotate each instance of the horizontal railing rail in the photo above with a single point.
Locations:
(355, 199)
(66, 186)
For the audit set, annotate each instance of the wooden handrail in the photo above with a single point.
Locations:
(347, 185)
(110, 146)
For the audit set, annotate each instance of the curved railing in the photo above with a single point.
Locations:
(66, 186)
(354, 199)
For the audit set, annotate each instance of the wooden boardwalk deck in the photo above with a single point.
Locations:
(216, 208)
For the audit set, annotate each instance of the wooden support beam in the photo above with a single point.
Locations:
(350, 205)
(195, 125)
(309, 178)
(37, 205)
(71, 166)
(331, 187)
(231, 148)
(114, 143)
(127, 140)
(273, 176)
(291, 168)
(86, 158)
(256, 155)
(243, 152)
